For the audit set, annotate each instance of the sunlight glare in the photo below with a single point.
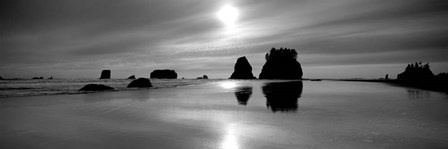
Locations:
(231, 139)
(228, 15)
(228, 85)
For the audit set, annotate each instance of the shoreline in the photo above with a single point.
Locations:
(431, 85)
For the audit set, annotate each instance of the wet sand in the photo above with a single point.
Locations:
(231, 115)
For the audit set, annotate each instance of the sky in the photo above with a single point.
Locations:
(333, 38)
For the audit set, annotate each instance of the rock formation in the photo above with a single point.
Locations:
(105, 74)
(95, 87)
(242, 69)
(416, 71)
(164, 74)
(203, 77)
(281, 64)
(1, 78)
(131, 77)
(38, 78)
(140, 83)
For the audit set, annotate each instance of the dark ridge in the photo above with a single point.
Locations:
(242, 69)
(281, 64)
(164, 74)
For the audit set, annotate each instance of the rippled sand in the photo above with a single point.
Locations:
(231, 115)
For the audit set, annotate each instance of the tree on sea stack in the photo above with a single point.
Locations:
(281, 64)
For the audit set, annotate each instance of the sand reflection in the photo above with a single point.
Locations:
(230, 140)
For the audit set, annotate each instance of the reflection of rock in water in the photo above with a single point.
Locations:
(242, 94)
(283, 96)
(418, 94)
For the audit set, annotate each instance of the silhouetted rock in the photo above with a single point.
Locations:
(203, 77)
(242, 69)
(140, 83)
(164, 74)
(243, 94)
(50, 78)
(281, 64)
(282, 96)
(416, 71)
(131, 77)
(38, 78)
(1, 78)
(105, 74)
(95, 87)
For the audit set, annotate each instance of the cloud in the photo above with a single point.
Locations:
(48, 35)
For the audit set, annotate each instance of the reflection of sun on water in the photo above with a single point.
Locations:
(230, 140)
(228, 84)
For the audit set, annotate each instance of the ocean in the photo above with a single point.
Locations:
(35, 87)
(221, 114)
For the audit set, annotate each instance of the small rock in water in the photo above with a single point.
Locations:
(96, 87)
(140, 83)
(131, 77)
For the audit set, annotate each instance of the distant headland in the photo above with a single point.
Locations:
(416, 75)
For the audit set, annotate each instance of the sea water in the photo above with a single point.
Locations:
(33, 87)
(230, 114)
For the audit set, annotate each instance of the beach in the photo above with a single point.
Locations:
(231, 114)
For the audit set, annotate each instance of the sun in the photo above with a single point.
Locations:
(228, 14)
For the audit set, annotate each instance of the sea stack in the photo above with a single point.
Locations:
(242, 69)
(164, 74)
(281, 64)
(105, 74)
